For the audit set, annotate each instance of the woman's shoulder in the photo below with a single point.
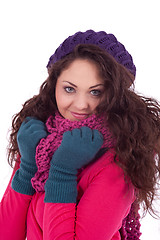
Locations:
(105, 173)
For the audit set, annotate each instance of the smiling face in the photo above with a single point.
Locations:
(79, 90)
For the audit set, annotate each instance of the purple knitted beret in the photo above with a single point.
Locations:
(108, 42)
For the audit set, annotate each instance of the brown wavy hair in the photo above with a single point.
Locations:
(133, 120)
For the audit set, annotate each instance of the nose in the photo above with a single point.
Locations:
(81, 102)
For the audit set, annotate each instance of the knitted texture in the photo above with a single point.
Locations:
(56, 126)
(130, 229)
(107, 42)
(30, 133)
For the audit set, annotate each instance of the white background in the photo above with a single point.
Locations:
(31, 30)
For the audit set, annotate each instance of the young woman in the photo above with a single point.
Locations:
(85, 150)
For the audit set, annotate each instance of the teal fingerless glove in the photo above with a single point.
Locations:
(28, 137)
(78, 148)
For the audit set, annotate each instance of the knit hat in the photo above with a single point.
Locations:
(105, 41)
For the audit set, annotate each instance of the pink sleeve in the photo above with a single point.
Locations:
(13, 212)
(99, 213)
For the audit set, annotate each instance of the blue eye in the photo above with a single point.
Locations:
(96, 93)
(69, 89)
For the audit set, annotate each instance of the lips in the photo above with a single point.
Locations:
(79, 116)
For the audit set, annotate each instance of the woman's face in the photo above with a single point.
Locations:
(79, 90)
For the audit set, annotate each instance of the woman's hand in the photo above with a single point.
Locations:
(28, 137)
(30, 133)
(78, 148)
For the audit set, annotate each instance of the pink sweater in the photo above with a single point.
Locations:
(104, 199)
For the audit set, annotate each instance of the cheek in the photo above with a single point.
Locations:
(63, 104)
(94, 104)
(61, 99)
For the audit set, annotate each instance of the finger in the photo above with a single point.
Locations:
(97, 136)
(76, 133)
(30, 125)
(66, 136)
(26, 123)
(39, 134)
(36, 127)
(33, 123)
(87, 133)
(27, 119)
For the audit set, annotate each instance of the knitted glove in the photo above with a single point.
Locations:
(28, 137)
(78, 148)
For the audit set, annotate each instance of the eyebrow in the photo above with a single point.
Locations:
(100, 84)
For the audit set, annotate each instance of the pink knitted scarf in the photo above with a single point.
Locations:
(56, 126)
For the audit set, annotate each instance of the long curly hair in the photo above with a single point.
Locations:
(133, 120)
